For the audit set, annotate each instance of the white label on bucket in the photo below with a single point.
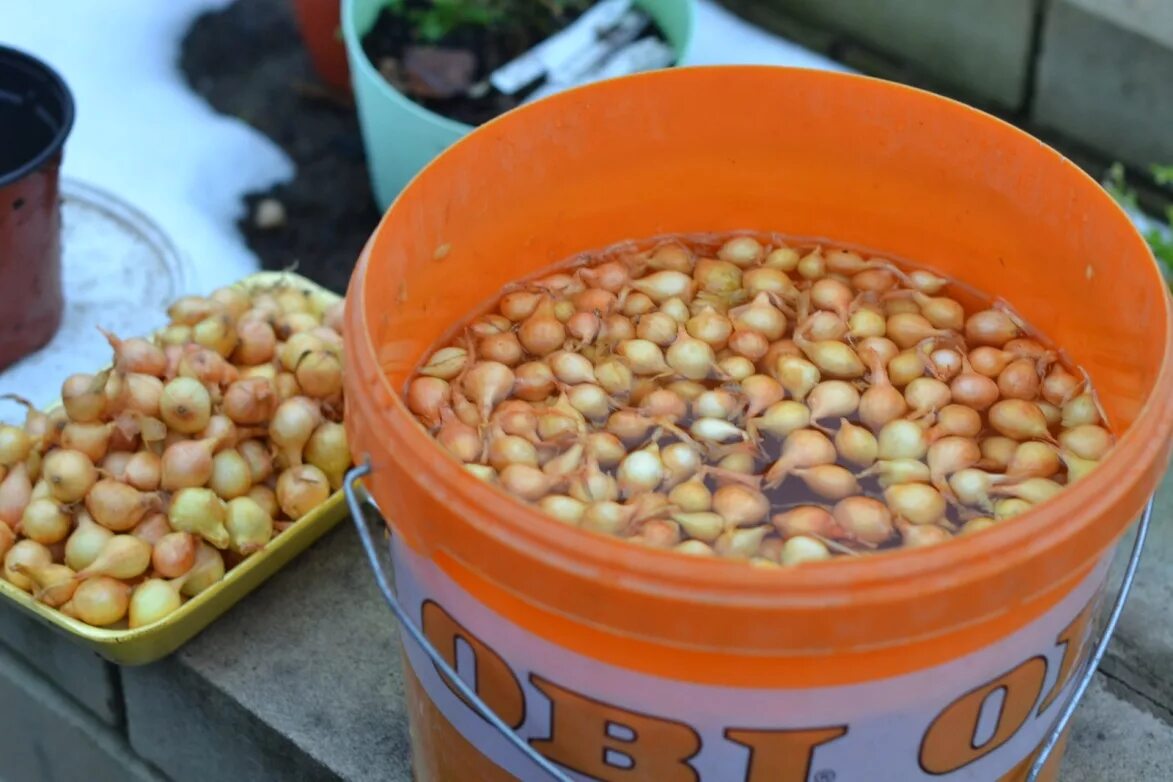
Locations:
(975, 718)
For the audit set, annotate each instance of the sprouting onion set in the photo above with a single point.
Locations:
(749, 397)
(188, 456)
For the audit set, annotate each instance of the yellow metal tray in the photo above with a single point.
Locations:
(143, 645)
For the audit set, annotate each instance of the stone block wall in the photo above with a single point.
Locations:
(1095, 73)
(61, 708)
(982, 46)
(1105, 76)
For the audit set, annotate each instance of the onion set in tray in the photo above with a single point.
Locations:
(165, 487)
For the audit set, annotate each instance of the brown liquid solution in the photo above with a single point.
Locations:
(792, 492)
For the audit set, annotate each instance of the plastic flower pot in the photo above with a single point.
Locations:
(946, 663)
(400, 135)
(319, 21)
(36, 115)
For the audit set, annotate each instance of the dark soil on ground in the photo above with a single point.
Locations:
(248, 61)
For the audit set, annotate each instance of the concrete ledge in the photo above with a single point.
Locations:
(47, 737)
(194, 732)
(301, 680)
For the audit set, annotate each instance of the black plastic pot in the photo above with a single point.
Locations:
(36, 115)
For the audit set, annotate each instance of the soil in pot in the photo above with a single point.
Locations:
(440, 53)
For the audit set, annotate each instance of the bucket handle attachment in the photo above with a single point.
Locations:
(355, 504)
(1101, 647)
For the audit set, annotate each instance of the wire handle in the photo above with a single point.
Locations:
(355, 504)
(368, 543)
(1093, 662)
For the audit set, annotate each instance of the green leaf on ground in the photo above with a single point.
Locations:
(1160, 239)
(1118, 188)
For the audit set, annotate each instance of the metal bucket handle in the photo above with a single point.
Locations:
(470, 695)
(364, 533)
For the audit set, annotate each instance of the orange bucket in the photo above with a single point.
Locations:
(619, 663)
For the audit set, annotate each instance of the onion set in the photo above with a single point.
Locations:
(731, 396)
(197, 447)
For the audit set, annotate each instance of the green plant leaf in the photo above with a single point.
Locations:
(441, 17)
(431, 26)
(444, 16)
(1118, 188)
(1159, 240)
(1162, 244)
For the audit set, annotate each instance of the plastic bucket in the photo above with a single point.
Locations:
(622, 663)
(400, 135)
(36, 115)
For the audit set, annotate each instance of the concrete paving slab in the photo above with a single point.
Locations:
(1141, 655)
(1114, 741)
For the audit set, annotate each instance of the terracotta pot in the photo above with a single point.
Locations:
(36, 114)
(319, 22)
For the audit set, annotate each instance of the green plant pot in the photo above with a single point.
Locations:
(400, 135)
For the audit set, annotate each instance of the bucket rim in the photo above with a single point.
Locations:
(1137, 459)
